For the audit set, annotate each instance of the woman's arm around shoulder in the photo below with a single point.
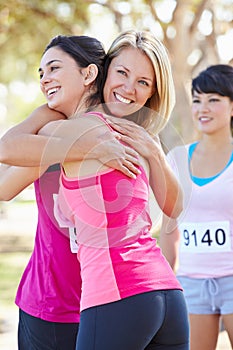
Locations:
(87, 136)
(169, 239)
(21, 145)
(163, 182)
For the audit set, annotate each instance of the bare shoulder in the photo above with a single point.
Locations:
(35, 121)
(90, 121)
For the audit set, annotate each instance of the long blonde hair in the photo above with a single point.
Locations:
(157, 110)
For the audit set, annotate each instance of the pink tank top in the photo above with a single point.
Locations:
(117, 254)
(50, 287)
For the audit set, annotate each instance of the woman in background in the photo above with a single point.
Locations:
(201, 245)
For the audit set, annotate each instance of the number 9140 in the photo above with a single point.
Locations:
(205, 237)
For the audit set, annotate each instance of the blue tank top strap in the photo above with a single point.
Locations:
(230, 160)
(191, 150)
(199, 180)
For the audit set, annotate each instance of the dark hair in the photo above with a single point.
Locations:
(215, 79)
(84, 50)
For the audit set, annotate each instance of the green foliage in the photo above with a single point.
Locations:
(18, 109)
(26, 27)
(11, 267)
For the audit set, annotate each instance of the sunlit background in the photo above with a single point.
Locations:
(197, 33)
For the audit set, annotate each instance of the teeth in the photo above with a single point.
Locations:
(122, 99)
(204, 118)
(51, 91)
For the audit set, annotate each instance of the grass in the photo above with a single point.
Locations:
(11, 268)
(17, 230)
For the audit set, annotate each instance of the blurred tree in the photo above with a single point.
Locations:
(26, 26)
(189, 29)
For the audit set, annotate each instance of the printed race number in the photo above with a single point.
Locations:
(205, 237)
(73, 240)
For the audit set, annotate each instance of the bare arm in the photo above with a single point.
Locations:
(169, 241)
(24, 146)
(163, 182)
(14, 179)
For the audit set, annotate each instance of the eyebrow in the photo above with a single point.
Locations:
(48, 63)
(145, 78)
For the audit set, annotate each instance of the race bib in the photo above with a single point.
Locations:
(73, 240)
(205, 237)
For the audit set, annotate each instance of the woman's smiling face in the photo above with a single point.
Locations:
(61, 81)
(211, 112)
(130, 82)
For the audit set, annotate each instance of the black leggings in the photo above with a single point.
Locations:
(37, 334)
(153, 320)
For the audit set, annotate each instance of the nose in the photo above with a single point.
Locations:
(129, 86)
(204, 106)
(45, 79)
